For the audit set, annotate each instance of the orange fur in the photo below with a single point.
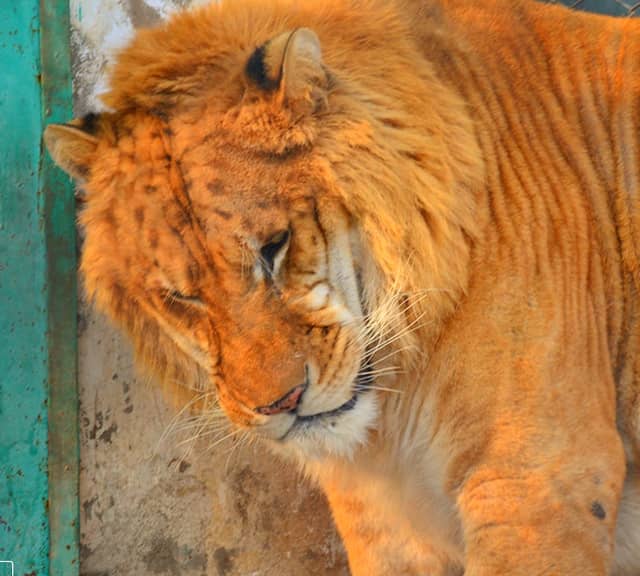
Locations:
(460, 183)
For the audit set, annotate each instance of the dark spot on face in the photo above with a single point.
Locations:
(150, 189)
(110, 217)
(159, 113)
(247, 224)
(177, 217)
(139, 215)
(153, 239)
(215, 187)
(192, 272)
(223, 213)
(598, 510)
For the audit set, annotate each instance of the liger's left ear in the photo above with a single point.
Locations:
(290, 65)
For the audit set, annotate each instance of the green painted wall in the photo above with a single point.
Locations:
(24, 534)
(37, 298)
(60, 210)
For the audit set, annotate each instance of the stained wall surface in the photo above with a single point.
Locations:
(151, 503)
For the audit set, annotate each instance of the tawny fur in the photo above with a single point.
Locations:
(461, 181)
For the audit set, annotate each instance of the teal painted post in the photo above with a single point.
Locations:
(38, 456)
(59, 202)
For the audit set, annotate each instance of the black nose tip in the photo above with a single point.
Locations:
(288, 403)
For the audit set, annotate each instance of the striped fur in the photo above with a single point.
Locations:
(461, 185)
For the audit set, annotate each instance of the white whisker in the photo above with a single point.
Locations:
(391, 354)
(174, 421)
(227, 436)
(242, 441)
(385, 370)
(382, 389)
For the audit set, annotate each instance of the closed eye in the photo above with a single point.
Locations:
(272, 253)
(188, 299)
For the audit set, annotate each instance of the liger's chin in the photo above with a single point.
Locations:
(339, 433)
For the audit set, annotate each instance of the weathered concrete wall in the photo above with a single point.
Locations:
(145, 507)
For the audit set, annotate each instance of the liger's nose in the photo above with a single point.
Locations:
(288, 403)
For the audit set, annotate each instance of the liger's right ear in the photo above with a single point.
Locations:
(72, 146)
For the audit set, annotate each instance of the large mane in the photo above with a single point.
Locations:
(407, 169)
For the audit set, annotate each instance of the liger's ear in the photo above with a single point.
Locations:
(72, 146)
(291, 65)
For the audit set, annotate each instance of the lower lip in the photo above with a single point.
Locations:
(361, 386)
(339, 410)
(302, 422)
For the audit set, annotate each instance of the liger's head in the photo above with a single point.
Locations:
(271, 188)
(214, 234)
